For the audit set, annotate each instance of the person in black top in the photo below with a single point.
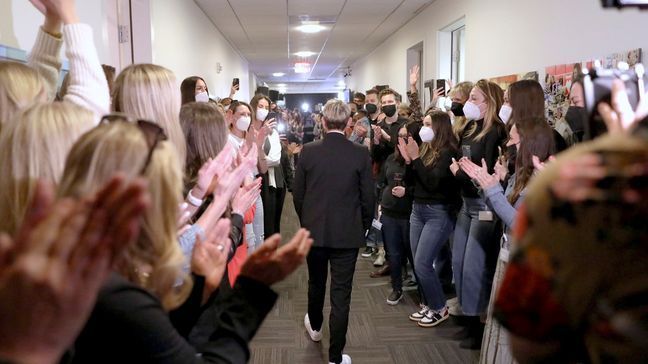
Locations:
(436, 199)
(396, 207)
(384, 141)
(475, 247)
(333, 192)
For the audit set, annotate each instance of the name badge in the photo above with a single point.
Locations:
(504, 255)
(486, 215)
(376, 224)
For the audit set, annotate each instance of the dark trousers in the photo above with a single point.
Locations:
(396, 235)
(273, 201)
(342, 262)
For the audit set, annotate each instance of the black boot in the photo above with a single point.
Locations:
(475, 334)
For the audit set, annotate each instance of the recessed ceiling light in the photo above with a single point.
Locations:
(302, 67)
(278, 74)
(305, 54)
(310, 27)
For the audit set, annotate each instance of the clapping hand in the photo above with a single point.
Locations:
(478, 174)
(454, 167)
(270, 263)
(209, 257)
(402, 148)
(246, 196)
(51, 271)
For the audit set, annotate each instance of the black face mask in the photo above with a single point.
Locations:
(389, 110)
(575, 117)
(371, 109)
(457, 109)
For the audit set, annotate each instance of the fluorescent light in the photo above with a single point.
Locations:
(302, 67)
(310, 27)
(278, 74)
(305, 54)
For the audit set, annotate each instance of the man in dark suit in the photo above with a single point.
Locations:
(334, 199)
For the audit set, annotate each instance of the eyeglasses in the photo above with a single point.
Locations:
(153, 133)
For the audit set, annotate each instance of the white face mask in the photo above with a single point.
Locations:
(505, 113)
(202, 97)
(427, 134)
(262, 114)
(471, 111)
(243, 123)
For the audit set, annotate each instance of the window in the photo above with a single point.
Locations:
(458, 65)
(451, 53)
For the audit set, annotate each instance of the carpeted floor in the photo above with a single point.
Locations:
(378, 333)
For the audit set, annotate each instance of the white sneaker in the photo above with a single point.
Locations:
(419, 315)
(454, 308)
(314, 335)
(345, 359)
(433, 318)
(380, 259)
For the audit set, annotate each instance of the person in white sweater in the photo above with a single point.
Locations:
(88, 86)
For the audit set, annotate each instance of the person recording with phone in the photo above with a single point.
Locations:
(274, 184)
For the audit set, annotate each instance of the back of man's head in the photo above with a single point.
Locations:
(336, 114)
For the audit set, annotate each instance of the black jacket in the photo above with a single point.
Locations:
(392, 206)
(129, 325)
(485, 148)
(434, 184)
(333, 192)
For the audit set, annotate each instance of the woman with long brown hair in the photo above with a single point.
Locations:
(533, 139)
(436, 198)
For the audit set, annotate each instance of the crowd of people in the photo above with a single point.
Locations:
(141, 220)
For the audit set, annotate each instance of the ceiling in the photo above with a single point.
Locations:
(264, 32)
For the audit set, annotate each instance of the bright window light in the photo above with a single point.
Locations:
(305, 107)
(305, 54)
(310, 27)
(278, 74)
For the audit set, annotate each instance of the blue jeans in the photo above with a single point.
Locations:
(254, 234)
(396, 235)
(474, 256)
(430, 228)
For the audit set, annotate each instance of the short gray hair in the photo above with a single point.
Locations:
(336, 114)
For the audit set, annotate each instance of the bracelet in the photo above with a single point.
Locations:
(193, 200)
(54, 35)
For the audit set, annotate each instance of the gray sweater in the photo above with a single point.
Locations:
(497, 199)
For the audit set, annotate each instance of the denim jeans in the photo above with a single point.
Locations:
(430, 228)
(474, 256)
(254, 234)
(396, 235)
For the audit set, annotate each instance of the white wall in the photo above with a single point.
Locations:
(185, 41)
(20, 21)
(505, 37)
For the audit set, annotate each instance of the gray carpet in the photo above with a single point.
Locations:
(378, 333)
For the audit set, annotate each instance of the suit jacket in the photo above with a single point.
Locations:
(333, 192)
(129, 325)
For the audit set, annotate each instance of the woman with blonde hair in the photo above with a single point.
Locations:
(21, 85)
(155, 262)
(149, 91)
(474, 251)
(459, 96)
(34, 146)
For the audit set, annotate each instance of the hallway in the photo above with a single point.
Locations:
(378, 333)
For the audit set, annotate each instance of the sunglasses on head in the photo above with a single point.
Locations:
(153, 133)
